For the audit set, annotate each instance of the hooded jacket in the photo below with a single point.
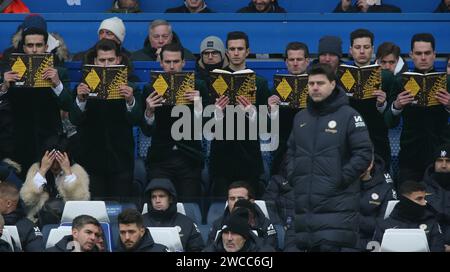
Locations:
(146, 244)
(375, 195)
(202, 72)
(189, 234)
(329, 148)
(265, 229)
(29, 234)
(148, 53)
(401, 219)
(438, 198)
(35, 198)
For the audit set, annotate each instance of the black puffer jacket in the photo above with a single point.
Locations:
(279, 197)
(265, 229)
(438, 198)
(252, 244)
(329, 148)
(375, 195)
(29, 234)
(146, 244)
(64, 246)
(189, 233)
(400, 220)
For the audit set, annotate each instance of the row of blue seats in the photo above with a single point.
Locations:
(268, 33)
(215, 5)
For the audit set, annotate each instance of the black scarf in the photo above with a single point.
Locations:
(210, 67)
(410, 209)
(443, 179)
(162, 215)
(320, 107)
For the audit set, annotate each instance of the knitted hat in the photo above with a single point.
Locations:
(442, 152)
(330, 44)
(115, 25)
(237, 224)
(34, 21)
(213, 43)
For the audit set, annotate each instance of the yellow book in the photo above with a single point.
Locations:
(239, 83)
(104, 82)
(172, 86)
(30, 69)
(424, 87)
(359, 82)
(292, 90)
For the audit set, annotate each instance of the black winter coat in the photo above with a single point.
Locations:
(253, 244)
(279, 197)
(146, 244)
(29, 234)
(329, 148)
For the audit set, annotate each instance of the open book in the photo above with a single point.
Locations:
(30, 69)
(240, 83)
(173, 86)
(424, 87)
(104, 82)
(359, 82)
(292, 90)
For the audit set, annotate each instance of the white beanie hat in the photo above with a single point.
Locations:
(115, 25)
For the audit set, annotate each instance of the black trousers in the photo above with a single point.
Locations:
(184, 173)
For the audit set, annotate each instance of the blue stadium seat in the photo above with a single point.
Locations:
(74, 6)
(204, 231)
(46, 231)
(193, 211)
(215, 211)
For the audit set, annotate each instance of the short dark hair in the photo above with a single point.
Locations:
(34, 31)
(131, 216)
(238, 35)
(107, 45)
(361, 33)
(8, 191)
(322, 69)
(172, 47)
(80, 221)
(409, 187)
(388, 48)
(423, 37)
(296, 46)
(243, 184)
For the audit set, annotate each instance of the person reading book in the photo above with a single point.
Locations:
(106, 130)
(375, 84)
(179, 160)
(296, 58)
(423, 127)
(35, 111)
(243, 156)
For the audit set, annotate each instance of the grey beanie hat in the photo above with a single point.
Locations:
(213, 43)
(330, 44)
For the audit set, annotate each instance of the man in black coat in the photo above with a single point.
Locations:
(4, 246)
(241, 195)
(437, 182)
(179, 160)
(85, 233)
(236, 236)
(412, 213)
(134, 237)
(30, 236)
(162, 212)
(328, 150)
(35, 111)
(106, 130)
(376, 191)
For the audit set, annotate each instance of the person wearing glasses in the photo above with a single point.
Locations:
(212, 56)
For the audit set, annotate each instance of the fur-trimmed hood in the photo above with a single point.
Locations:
(61, 52)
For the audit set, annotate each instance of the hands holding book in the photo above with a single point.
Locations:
(273, 101)
(82, 92)
(381, 97)
(127, 92)
(9, 77)
(443, 97)
(52, 74)
(194, 97)
(404, 98)
(153, 101)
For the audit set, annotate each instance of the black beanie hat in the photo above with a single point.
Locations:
(442, 152)
(330, 44)
(237, 224)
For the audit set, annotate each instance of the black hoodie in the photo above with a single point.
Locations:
(146, 244)
(190, 236)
